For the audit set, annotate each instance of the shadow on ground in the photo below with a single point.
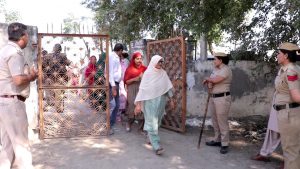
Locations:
(129, 151)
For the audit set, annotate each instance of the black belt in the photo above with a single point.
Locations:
(12, 96)
(280, 107)
(220, 94)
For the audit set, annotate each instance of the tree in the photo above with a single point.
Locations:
(9, 15)
(129, 19)
(257, 25)
(73, 25)
(274, 22)
(214, 17)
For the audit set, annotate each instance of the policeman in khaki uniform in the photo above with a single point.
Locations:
(219, 104)
(14, 89)
(286, 103)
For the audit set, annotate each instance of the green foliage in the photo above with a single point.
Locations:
(274, 22)
(9, 15)
(258, 25)
(243, 55)
(129, 19)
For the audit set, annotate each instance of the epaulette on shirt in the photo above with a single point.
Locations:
(292, 74)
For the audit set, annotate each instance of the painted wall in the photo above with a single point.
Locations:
(251, 90)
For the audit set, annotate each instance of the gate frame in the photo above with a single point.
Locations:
(183, 79)
(40, 87)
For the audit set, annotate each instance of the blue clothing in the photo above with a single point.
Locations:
(114, 104)
(154, 110)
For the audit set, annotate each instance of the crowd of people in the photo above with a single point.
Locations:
(147, 90)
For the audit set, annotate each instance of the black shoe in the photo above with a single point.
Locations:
(224, 149)
(213, 143)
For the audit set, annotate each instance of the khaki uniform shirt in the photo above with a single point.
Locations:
(12, 63)
(288, 78)
(223, 86)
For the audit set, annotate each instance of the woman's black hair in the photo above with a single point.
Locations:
(118, 47)
(292, 54)
(125, 55)
(224, 60)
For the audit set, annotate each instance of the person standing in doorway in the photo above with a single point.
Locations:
(89, 74)
(132, 79)
(115, 76)
(219, 104)
(100, 77)
(287, 103)
(123, 94)
(100, 80)
(154, 90)
(13, 83)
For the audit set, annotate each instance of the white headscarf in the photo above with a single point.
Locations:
(155, 82)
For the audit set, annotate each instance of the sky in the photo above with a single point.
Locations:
(52, 12)
(41, 13)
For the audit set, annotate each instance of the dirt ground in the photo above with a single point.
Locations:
(125, 150)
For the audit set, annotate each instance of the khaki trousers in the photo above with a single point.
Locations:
(289, 128)
(14, 135)
(219, 108)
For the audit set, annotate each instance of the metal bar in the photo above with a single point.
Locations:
(74, 35)
(164, 40)
(203, 121)
(107, 86)
(102, 122)
(72, 87)
(40, 94)
(183, 80)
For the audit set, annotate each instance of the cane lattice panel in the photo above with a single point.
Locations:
(73, 95)
(173, 51)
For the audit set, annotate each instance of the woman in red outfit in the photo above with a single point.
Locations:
(89, 75)
(132, 79)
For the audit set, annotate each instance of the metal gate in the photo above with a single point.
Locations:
(173, 51)
(73, 100)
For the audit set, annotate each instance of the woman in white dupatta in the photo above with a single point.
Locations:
(154, 90)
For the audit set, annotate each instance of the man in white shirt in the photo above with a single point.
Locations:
(115, 76)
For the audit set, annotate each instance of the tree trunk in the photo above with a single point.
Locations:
(203, 48)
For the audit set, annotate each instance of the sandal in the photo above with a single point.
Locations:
(159, 151)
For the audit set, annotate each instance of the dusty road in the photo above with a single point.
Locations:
(129, 151)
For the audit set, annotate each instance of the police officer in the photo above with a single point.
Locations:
(219, 104)
(286, 103)
(13, 83)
